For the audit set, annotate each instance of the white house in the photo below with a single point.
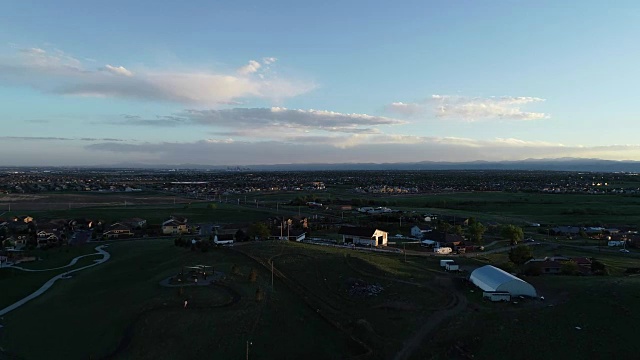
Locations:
(363, 236)
(419, 231)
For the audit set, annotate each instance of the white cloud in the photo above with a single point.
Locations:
(252, 67)
(56, 72)
(471, 109)
(119, 70)
(274, 122)
(268, 60)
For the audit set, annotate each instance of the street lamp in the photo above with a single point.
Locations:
(248, 343)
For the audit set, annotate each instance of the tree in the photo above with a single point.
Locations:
(569, 267)
(512, 233)
(598, 268)
(476, 230)
(508, 266)
(240, 235)
(520, 254)
(258, 231)
(458, 230)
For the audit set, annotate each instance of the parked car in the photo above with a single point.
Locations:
(624, 250)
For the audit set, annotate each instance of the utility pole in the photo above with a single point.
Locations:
(404, 248)
(271, 274)
(248, 343)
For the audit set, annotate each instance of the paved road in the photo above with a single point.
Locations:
(100, 250)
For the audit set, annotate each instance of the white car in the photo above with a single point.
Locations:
(624, 251)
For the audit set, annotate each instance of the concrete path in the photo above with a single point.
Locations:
(105, 257)
(71, 263)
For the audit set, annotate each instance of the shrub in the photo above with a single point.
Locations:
(253, 275)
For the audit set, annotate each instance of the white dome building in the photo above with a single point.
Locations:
(491, 279)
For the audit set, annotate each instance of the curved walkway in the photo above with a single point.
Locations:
(105, 257)
(71, 263)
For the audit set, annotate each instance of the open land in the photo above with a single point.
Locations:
(324, 302)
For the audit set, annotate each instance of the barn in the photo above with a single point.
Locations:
(490, 278)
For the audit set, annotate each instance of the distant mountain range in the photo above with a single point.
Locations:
(560, 164)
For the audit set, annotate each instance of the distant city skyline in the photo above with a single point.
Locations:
(94, 83)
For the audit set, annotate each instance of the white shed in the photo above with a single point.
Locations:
(443, 263)
(451, 266)
(490, 278)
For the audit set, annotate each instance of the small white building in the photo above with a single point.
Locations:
(615, 243)
(444, 262)
(490, 278)
(451, 266)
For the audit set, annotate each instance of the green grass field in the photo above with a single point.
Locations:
(604, 310)
(99, 306)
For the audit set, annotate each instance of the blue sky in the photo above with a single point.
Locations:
(255, 82)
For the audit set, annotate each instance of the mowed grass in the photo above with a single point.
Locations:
(121, 299)
(156, 214)
(533, 207)
(17, 284)
(590, 317)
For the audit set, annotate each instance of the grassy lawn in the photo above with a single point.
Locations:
(602, 307)
(332, 277)
(100, 305)
(156, 214)
(17, 284)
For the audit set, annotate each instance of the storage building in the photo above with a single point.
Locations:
(490, 278)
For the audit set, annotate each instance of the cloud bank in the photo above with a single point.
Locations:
(274, 121)
(471, 108)
(54, 71)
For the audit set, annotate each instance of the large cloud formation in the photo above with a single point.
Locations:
(57, 72)
(275, 120)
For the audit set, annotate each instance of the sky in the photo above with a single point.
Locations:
(280, 82)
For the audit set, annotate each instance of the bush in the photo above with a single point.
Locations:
(235, 269)
(253, 275)
(259, 295)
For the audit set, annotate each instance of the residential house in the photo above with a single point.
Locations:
(172, 226)
(566, 230)
(419, 231)
(443, 239)
(118, 231)
(363, 236)
(543, 266)
(135, 223)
